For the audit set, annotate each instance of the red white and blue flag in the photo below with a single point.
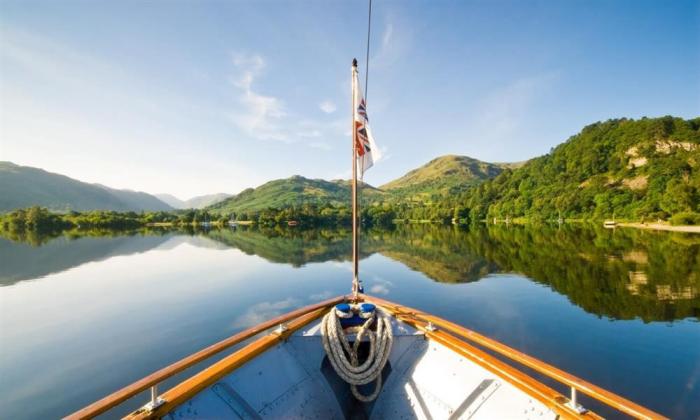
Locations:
(367, 150)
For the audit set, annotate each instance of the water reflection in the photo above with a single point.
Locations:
(621, 274)
(26, 261)
(156, 296)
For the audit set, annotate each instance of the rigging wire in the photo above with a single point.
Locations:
(369, 27)
(356, 228)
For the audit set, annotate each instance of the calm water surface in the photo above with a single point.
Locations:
(81, 316)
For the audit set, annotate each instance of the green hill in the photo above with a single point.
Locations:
(633, 169)
(644, 169)
(294, 191)
(445, 174)
(440, 176)
(24, 186)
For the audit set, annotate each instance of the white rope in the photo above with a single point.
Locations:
(338, 349)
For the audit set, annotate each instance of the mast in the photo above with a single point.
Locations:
(355, 242)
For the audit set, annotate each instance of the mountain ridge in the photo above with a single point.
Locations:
(442, 175)
(644, 169)
(196, 202)
(296, 190)
(445, 174)
(26, 186)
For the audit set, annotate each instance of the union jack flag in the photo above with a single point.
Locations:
(367, 150)
(362, 145)
(362, 110)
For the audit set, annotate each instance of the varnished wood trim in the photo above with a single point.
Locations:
(613, 400)
(535, 389)
(141, 385)
(194, 385)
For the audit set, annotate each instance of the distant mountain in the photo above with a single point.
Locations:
(198, 202)
(24, 186)
(445, 174)
(202, 201)
(171, 200)
(644, 169)
(294, 191)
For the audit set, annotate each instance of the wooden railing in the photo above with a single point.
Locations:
(152, 380)
(431, 325)
(189, 388)
(429, 322)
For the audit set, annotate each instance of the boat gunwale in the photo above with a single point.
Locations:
(114, 399)
(192, 386)
(410, 315)
(454, 337)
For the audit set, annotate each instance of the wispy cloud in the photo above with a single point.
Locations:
(321, 296)
(501, 116)
(341, 175)
(266, 117)
(85, 112)
(380, 286)
(263, 311)
(384, 154)
(320, 145)
(395, 43)
(260, 114)
(386, 37)
(327, 106)
(58, 67)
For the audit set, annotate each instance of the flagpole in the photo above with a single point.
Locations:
(355, 243)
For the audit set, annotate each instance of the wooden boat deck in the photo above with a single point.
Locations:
(423, 379)
(436, 369)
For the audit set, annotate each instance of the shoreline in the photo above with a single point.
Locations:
(659, 226)
(217, 224)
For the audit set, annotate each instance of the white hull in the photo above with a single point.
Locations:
(423, 380)
(435, 370)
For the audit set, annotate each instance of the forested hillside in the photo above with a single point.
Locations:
(638, 170)
(633, 169)
(643, 169)
(295, 191)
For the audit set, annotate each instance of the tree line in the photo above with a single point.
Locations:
(637, 170)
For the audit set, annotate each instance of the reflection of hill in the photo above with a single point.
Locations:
(621, 274)
(292, 246)
(443, 254)
(444, 272)
(435, 251)
(20, 261)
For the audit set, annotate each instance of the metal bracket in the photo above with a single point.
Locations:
(578, 408)
(573, 403)
(152, 405)
(155, 402)
(281, 328)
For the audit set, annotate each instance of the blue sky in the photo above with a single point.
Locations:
(195, 97)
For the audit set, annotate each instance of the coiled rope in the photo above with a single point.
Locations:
(338, 349)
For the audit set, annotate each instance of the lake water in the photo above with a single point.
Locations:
(83, 315)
